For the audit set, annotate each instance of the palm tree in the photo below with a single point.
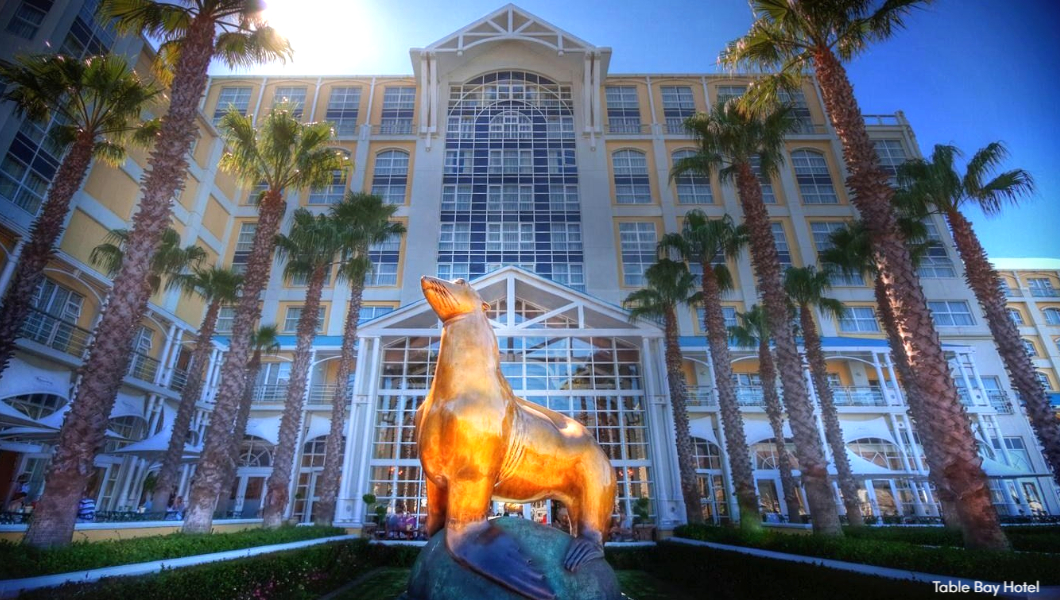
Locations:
(729, 140)
(263, 340)
(851, 254)
(286, 155)
(789, 37)
(752, 331)
(806, 287)
(168, 264)
(936, 185)
(191, 34)
(97, 103)
(367, 219)
(217, 286)
(310, 251)
(670, 285)
(703, 241)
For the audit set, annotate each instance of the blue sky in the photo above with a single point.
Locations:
(965, 72)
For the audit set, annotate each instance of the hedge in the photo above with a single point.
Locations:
(1028, 539)
(957, 562)
(299, 574)
(18, 561)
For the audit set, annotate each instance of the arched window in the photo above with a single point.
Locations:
(707, 454)
(1052, 316)
(879, 452)
(36, 406)
(1042, 377)
(1016, 316)
(1031, 349)
(390, 176)
(255, 452)
(692, 188)
(631, 177)
(313, 451)
(511, 125)
(764, 454)
(813, 177)
(768, 196)
(333, 192)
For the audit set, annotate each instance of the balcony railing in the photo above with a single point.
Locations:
(143, 367)
(55, 333)
(393, 127)
(965, 396)
(701, 396)
(1000, 401)
(273, 393)
(178, 380)
(750, 395)
(1045, 292)
(882, 120)
(676, 126)
(858, 396)
(324, 393)
(618, 127)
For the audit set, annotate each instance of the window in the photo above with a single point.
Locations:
(951, 313)
(623, 109)
(781, 241)
(728, 313)
(453, 271)
(813, 177)
(461, 127)
(343, 106)
(510, 197)
(294, 314)
(1031, 349)
(455, 237)
(822, 239)
(1016, 316)
(254, 195)
(891, 154)
(631, 177)
(293, 96)
(563, 197)
(458, 162)
(231, 97)
(1052, 316)
(28, 17)
(510, 237)
(1042, 288)
(799, 109)
(244, 244)
(335, 191)
(367, 313)
(561, 162)
(30, 164)
(385, 257)
(678, 105)
(390, 176)
(935, 262)
(692, 188)
(879, 452)
(456, 197)
(768, 197)
(859, 319)
(730, 92)
(398, 106)
(87, 35)
(569, 274)
(559, 127)
(511, 162)
(1017, 453)
(302, 280)
(511, 125)
(1044, 380)
(638, 242)
(566, 236)
(707, 455)
(225, 316)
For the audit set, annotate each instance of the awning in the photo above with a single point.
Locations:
(10, 416)
(999, 469)
(760, 431)
(266, 428)
(21, 378)
(159, 442)
(861, 466)
(703, 428)
(128, 405)
(318, 426)
(871, 428)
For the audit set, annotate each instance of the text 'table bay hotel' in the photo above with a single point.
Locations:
(519, 161)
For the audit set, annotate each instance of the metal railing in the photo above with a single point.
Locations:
(618, 127)
(393, 127)
(858, 396)
(750, 395)
(1044, 292)
(809, 128)
(701, 396)
(274, 393)
(1000, 401)
(676, 126)
(55, 333)
(178, 380)
(143, 367)
(882, 120)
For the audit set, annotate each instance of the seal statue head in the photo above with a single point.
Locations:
(451, 298)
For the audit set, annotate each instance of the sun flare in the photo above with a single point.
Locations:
(328, 36)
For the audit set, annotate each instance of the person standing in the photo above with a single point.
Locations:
(86, 509)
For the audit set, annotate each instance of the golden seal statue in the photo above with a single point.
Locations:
(478, 441)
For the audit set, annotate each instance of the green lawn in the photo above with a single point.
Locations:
(388, 583)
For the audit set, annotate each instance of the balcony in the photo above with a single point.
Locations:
(750, 395)
(701, 396)
(627, 127)
(178, 380)
(55, 333)
(1045, 292)
(883, 120)
(858, 396)
(323, 394)
(393, 127)
(965, 396)
(143, 367)
(273, 393)
(1000, 401)
(676, 126)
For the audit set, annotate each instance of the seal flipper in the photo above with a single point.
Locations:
(582, 550)
(494, 554)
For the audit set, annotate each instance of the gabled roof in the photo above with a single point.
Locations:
(513, 283)
(511, 23)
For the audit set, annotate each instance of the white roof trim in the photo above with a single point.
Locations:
(511, 23)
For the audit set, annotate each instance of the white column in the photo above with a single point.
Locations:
(362, 438)
(344, 506)
(163, 358)
(897, 389)
(918, 504)
(297, 455)
(174, 354)
(879, 377)
(726, 470)
(896, 496)
(12, 262)
(871, 492)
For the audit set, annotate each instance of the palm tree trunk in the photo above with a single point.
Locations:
(216, 450)
(731, 418)
(833, 432)
(872, 194)
(767, 374)
(986, 284)
(240, 427)
(328, 483)
(764, 258)
(277, 487)
(167, 480)
(40, 247)
(111, 349)
(932, 454)
(683, 437)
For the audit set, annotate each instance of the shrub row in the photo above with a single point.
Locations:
(299, 574)
(980, 564)
(1028, 539)
(17, 561)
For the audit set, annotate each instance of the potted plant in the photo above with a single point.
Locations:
(372, 506)
(643, 528)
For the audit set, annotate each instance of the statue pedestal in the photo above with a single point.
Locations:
(436, 576)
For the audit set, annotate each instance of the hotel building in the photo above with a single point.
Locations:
(517, 160)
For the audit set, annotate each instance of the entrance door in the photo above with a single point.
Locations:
(305, 496)
(767, 496)
(252, 496)
(884, 498)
